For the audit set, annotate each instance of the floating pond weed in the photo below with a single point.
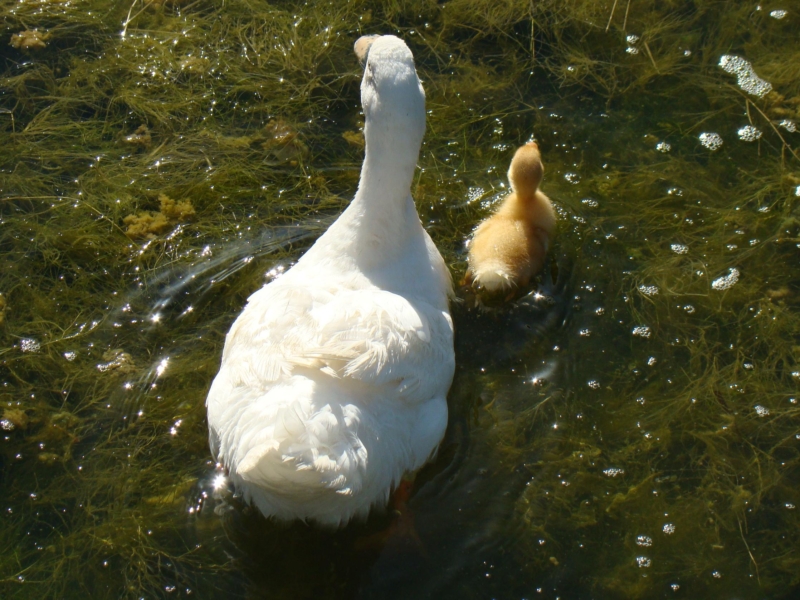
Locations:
(564, 450)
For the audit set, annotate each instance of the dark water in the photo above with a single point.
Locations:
(628, 429)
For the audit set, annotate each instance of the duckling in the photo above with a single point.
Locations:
(509, 247)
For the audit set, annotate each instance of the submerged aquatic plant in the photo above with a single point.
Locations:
(591, 415)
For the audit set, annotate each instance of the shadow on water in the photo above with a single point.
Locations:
(458, 523)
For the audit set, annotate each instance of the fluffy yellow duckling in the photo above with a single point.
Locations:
(509, 247)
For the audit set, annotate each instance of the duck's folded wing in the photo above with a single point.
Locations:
(379, 338)
(255, 347)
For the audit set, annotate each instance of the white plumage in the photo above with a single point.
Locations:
(334, 376)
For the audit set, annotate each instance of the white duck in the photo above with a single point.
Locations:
(334, 376)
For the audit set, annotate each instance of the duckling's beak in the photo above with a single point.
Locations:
(362, 46)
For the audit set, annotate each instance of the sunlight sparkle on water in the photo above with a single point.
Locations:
(162, 366)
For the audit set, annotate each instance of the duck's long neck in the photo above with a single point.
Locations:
(388, 170)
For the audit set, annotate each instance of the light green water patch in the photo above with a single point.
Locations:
(630, 429)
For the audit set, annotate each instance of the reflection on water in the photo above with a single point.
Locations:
(628, 428)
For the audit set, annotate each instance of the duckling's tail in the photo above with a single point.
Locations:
(493, 276)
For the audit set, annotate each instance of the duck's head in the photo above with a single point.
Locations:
(526, 170)
(391, 96)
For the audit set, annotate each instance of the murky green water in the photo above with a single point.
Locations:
(631, 429)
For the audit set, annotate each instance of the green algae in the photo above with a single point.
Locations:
(634, 428)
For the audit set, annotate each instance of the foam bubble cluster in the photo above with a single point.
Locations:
(712, 141)
(745, 75)
(726, 281)
(748, 133)
(648, 290)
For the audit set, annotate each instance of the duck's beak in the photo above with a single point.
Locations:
(361, 47)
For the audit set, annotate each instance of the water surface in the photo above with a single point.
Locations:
(628, 429)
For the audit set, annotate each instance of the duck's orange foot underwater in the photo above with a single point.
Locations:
(400, 533)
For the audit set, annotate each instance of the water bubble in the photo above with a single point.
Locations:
(651, 361)
(70, 356)
(761, 411)
(778, 14)
(594, 384)
(668, 528)
(746, 77)
(748, 133)
(749, 366)
(648, 290)
(710, 140)
(613, 471)
(674, 587)
(475, 193)
(174, 429)
(788, 125)
(716, 574)
(797, 191)
(590, 202)
(679, 248)
(585, 332)
(572, 178)
(663, 147)
(29, 345)
(641, 331)
(789, 506)
(632, 50)
(643, 562)
(689, 308)
(644, 540)
(632, 38)
(726, 281)
(6, 425)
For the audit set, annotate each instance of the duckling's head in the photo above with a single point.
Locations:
(391, 96)
(526, 170)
